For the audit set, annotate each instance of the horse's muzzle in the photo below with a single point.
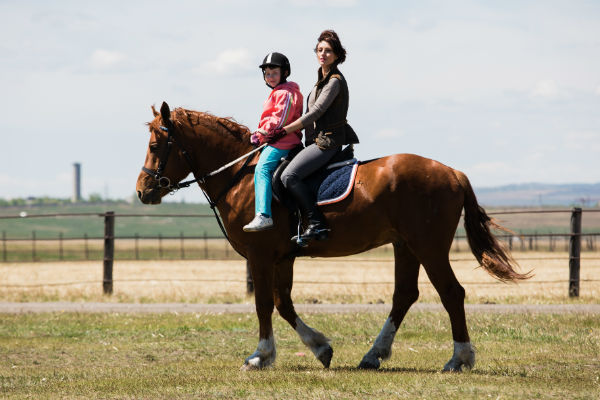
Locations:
(149, 196)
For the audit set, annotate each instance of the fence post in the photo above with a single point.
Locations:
(160, 252)
(205, 246)
(522, 240)
(574, 252)
(249, 281)
(60, 246)
(33, 246)
(109, 251)
(86, 250)
(4, 246)
(137, 249)
(182, 247)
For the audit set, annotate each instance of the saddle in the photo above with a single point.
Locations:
(325, 182)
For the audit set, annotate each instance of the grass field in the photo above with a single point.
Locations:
(366, 278)
(93, 225)
(77, 356)
(77, 226)
(157, 356)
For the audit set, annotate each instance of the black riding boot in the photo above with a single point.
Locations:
(317, 228)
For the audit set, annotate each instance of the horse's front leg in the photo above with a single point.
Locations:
(315, 340)
(262, 275)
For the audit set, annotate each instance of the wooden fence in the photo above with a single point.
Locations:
(519, 241)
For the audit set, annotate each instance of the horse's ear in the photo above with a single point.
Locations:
(156, 114)
(165, 112)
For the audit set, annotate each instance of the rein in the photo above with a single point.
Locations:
(165, 183)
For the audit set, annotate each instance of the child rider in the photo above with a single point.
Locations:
(282, 107)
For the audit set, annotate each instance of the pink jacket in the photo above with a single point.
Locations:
(282, 107)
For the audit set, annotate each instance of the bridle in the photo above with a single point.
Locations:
(164, 182)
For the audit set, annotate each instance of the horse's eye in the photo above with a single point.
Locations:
(153, 147)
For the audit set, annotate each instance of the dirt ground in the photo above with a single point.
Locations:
(94, 307)
(334, 281)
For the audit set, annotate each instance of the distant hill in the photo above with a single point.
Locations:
(540, 194)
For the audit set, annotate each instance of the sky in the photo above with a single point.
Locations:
(507, 92)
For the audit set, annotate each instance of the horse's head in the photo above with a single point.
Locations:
(165, 164)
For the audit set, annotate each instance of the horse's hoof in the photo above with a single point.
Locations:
(248, 367)
(254, 363)
(452, 366)
(326, 356)
(369, 364)
(463, 356)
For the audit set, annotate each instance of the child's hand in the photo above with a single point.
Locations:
(275, 134)
(255, 138)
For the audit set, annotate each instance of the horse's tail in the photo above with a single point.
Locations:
(490, 254)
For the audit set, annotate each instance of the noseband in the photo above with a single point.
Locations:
(164, 182)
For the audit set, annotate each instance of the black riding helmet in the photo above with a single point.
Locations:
(275, 59)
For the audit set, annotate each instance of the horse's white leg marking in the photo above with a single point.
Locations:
(315, 340)
(382, 348)
(264, 355)
(464, 354)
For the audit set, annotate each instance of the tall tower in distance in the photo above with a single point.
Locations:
(76, 198)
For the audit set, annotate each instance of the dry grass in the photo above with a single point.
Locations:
(353, 279)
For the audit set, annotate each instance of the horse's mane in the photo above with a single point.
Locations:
(225, 126)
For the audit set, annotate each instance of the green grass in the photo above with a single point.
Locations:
(198, 356)
(93, 226)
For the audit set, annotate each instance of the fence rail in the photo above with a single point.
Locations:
(106, 252)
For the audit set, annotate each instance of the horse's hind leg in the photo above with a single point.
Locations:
(452, 295)
(406, 292)
(315, 340)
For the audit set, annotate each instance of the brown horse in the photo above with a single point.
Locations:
(412, 202)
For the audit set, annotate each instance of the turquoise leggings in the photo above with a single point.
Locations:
(263, 190)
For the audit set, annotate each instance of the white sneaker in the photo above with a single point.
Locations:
(259, 223)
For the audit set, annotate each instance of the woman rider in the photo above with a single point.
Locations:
(326, 131)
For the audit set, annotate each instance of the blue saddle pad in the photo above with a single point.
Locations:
(336, 183)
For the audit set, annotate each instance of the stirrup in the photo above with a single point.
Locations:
(300, 241)
(303, 239)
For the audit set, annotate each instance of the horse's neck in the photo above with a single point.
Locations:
(212, 153)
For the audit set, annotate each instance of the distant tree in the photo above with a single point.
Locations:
(95, 198)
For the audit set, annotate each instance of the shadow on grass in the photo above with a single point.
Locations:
(396, 370)
(303, 368)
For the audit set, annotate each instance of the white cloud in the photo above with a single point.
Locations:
(546, 88)
(598, 90)
(58, 185)
(229, 61)
(105, 59)
(583, 140)
(489, 167)
(330, 3)
(389, 133)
